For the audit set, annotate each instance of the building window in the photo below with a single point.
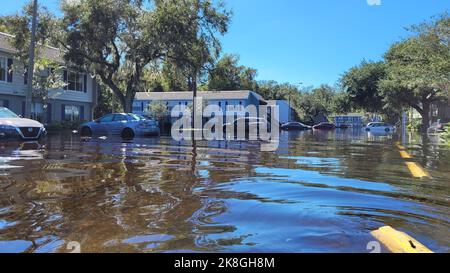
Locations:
(75, 81)
(3, 69)
(72, 112)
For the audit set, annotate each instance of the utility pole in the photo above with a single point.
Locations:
(29, 92)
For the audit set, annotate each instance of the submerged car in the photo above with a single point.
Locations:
(126, 125)
(295, 126)
(324, 126)
(248, 123)
(13, 126)
(379, 127)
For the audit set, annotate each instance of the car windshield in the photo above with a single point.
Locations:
(136, 117)
(6, 113)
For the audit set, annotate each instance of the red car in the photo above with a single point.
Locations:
(324, 126)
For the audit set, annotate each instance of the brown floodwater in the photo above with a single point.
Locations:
(319, 192)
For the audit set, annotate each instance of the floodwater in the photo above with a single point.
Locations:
(319, 192)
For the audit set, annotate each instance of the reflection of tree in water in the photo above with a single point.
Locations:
(109, 201)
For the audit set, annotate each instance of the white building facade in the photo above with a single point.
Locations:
(285, 111)
(75, 102)
(223, 99)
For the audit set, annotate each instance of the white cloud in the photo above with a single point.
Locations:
(374, 2)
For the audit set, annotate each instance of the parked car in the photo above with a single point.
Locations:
(436, 127)
(14, 127)
(344, 126)
(324, 126)
(293, 125)
(249, 122)
(126, 125)
(380, 127)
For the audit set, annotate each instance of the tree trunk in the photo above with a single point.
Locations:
(116, 91)
(425, 115)
(128, 106)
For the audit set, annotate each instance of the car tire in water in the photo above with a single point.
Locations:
(127, 133)
(86, 132)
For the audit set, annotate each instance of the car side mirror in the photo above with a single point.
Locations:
(97, 121)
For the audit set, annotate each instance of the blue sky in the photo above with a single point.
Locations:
(310, 41)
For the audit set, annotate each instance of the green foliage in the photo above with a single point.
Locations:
(446, 134)
(415, 124)
(322, 100)
(418, 68)
(272, 90)
(106, 102)
(119, 39)
(188, 29)
(47, 74)
(158, 110)
(415, 73)
(361, 84)
(19, 26)
(173, 79)
(306, 103)
(227, 74)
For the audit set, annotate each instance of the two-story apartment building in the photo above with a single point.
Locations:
(222, 99)
(74, 102)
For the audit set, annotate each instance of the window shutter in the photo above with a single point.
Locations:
(10, 70)
(65, 78)
(63, 112)
(85, 83)
(49, 113)
(82, 113)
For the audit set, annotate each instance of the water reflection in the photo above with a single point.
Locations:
(319, 192)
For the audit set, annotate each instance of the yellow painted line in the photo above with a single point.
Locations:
(400, 147)
(405, 154)
(398, 242)
(416, 170)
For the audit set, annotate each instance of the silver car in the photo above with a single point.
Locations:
(380, 127)
(13, 126)
(126, 125)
